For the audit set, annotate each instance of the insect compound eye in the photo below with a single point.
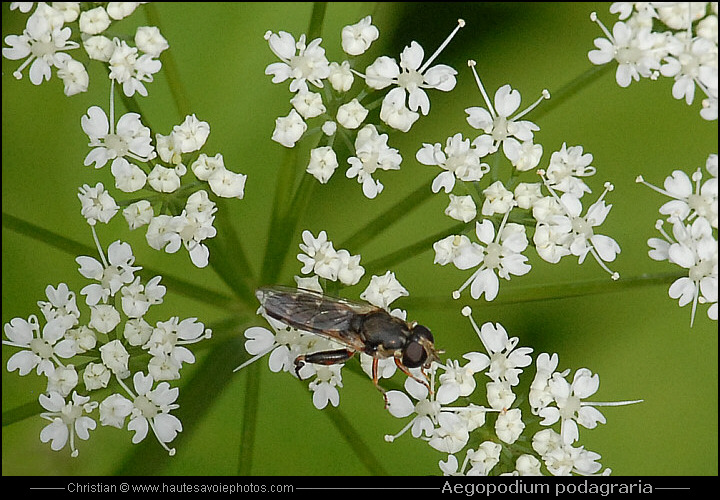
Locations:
(414, 355)
(419, 332)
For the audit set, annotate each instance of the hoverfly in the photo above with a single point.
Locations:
(360, 327)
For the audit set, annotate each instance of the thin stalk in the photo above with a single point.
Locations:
(570, 89)
(71, 247)
(405, 253)
(533, 293)
(383, 221)
(170, 68)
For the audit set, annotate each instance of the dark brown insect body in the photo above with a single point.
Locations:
(360, 327)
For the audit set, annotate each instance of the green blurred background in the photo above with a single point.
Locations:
(636, 338)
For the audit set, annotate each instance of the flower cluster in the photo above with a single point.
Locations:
(455, 415)
(46, 41)
(177, 213)
(324, 91)
(692, 213)
(507, 209)
(678, 40)
(88, 362)
(285, 343)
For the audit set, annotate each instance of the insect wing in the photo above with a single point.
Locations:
(314, 312)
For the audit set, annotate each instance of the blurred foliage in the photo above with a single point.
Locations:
(635, 337)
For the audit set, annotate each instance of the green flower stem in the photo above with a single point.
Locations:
(388, 261)
(383, 221)
(317, 18)
(570, 89)
(356, 440)
(229, 260)
(288, 206)
(531, 293)
(182, 287)
(182, 102)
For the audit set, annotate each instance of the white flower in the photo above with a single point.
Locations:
(94, 21)
(191, 134)
(350, 271)
(457, 159)
(289, 129)
(74, 76)
(526, 194)
(569, 407)
(114, 409)
(300, 62)
(128, 176)
(461, 208)
(484, 458)
(41, 44)
(163, 179)
(383, 290)
(632, 47)
(318, 256)
(579, 233)
(131, 71)
(129, 138)
(506, 362)
(496, 123)
(371, 153)
(308, 104)
(111, 274)
(451, 435)
(498, 255)
(356, 38)
(115, 357)
(695, 249)
(498, 199)
(524, 155)
(457, 381)
(450, 248)
(341, 77)
(37, 349)
(152, 409)
(67, 420)
(351, 114)
(323, 163)
(97, 204)
(566, 169)
(324, 386)
(688, 203)
(96, 376)
(561, 458)
(149, 40)
(411, 76)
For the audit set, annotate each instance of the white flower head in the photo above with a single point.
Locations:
(634, 49)
(496, 254)
(319, 256)
(67, 420)
(97, 204)
(301, 62)
(356, 38)
(289, 129)
(129, 138)
(458, 159)
(500, 127)
(412, 76)
(42, 45)
(371, 153)
(383, 290)
(323, 163)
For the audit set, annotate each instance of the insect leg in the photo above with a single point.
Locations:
(375, 380)
(407, 372)
(323, 358)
